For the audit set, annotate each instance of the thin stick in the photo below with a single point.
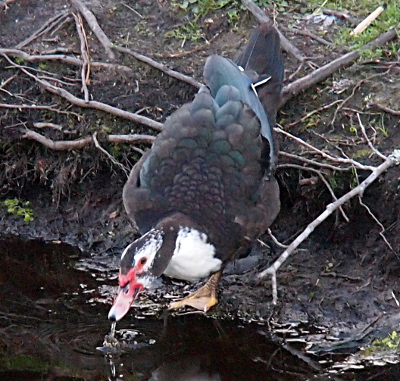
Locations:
(113, 160)
(159, 66)
(387, 109)
(85, 69)
(49, 125)
(196, 49)
(393, 159)
(51, 23)
(378, 222)
(68, 145)
(324, 154)
(313, 162)
(368, 140)
(307, 33)
(321, 176)
(314, 112)
(94, 25)
(60, 58)
(367, 21)
(35, 107)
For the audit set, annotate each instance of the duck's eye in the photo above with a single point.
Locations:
(143, 260)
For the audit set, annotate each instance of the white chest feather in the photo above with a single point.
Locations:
(193, 257)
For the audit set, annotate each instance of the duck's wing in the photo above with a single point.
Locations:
(137, 199)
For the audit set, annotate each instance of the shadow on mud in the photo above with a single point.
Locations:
(53, 317)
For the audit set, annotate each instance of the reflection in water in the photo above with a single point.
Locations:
(50, 328)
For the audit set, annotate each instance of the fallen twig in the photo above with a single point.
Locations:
(325, 71)
(113, 160)
(378, 222)
(393, 159)
(367, 139)
(15, 53)
(159, 66)
(341, 14)
(49, 125)
(313, 162)
(386, 109)
(35, 107)
(50, 24)
(367, 21)
(314, 112)
(324, 154)
(321, 176)
(94, 25)
(85, 69)
(307, 33)
(196, 49)
(68, 145)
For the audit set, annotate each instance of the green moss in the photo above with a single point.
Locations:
(19, 208)
(387, 344)
(363, 152)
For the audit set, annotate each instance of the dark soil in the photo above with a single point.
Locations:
(344, 278)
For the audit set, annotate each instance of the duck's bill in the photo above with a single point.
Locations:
(123, 302)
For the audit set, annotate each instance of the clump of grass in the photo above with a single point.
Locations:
(197, 9)
(387, 20)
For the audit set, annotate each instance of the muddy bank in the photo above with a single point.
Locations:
(344, 278)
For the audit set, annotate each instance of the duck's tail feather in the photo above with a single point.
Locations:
(262, 59)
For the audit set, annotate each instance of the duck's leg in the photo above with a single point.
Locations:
(202, 299)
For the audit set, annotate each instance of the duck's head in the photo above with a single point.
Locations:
(138, 270)
(175, 247)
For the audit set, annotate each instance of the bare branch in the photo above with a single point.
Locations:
(386, 109)
(35, 107)
(61, 145)
(393, 159)
(307, 33)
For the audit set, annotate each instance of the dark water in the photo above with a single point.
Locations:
(53, 316)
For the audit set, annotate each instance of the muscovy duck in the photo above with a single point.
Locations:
(206, 189)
